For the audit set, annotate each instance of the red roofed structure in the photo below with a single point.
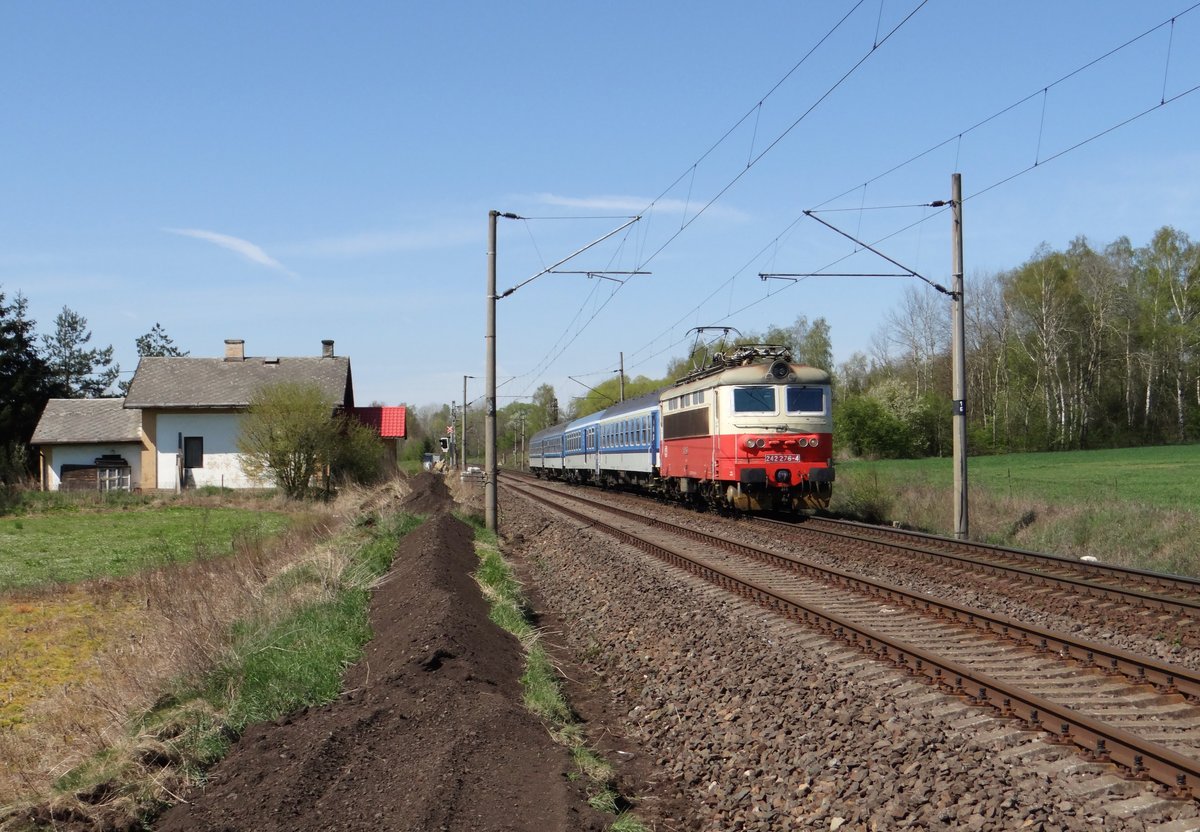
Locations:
(388, 422)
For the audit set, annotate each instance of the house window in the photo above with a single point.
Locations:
(113, 477)
(193, 452)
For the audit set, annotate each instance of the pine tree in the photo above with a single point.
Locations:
(82, 372)
(26, 384)
(156, 343)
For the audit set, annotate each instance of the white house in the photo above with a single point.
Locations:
(179, 424)
(89, 444)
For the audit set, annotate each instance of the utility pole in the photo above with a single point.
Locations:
(622, 376)
(491, 506)
(958, 348)
(463, 454)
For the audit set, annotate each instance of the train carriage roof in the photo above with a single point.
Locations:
(646, 401)
(642, 402)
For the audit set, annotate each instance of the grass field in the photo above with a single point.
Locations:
(1135, 506)
(215, 615)
(60, 547)
(1158, 476)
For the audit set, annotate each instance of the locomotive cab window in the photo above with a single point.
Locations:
(806, 400)
(754, 400)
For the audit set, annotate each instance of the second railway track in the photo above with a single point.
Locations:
(1154, 591)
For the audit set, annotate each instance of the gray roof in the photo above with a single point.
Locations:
(87, 421)
(161, 382)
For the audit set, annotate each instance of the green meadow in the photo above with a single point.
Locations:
(39, 549)
(1135, 506)
(1164, 476)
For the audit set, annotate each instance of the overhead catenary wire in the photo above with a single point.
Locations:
(957, 137)
(754, 159)
(1023, 100)
(737, 177)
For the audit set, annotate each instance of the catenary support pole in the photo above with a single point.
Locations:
(622, 376)
(490, 470)
(958, 348)
(462, 455)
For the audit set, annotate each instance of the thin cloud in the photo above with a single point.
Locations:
(635, 204)
(237, 245)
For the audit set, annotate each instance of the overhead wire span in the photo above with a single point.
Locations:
(737, 177)
(551, 356)
(1023, 100)
(957, 137)
(686, 221)
(1086, 141)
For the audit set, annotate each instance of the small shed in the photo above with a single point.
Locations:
(389, 422)
(89, 445)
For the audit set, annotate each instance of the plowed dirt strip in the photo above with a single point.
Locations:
(430, 734)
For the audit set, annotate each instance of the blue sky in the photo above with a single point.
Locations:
(288, 172)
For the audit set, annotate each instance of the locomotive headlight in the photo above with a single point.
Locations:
(760, 443)
(802, 442)
(750, 444)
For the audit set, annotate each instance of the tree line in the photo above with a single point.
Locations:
(1080, 348)
(61, 363)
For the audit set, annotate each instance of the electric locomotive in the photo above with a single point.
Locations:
(751, 431)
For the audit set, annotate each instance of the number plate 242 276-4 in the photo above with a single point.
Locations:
(781, 458)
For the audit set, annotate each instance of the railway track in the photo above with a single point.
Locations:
(1165, 599)
(1174, 594)
(1135, 712)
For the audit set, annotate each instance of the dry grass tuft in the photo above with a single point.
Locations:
(89, 670)
(467, 495)
(1125, 533)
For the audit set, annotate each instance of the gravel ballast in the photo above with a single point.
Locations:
(761, 725)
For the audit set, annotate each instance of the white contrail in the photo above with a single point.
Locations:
(245, 248)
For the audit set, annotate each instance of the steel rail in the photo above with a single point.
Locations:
(1184, 584)
(871, 535)
(1103, 743)
(1177, 606)
(1165, 677)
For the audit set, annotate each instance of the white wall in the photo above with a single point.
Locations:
(60, 455)
(221, 459)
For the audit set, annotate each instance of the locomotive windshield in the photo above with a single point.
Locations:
(806, 400)
(754, 399)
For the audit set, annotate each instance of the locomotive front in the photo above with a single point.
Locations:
(755, 434)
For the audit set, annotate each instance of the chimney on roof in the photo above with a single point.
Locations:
(327, 348)
(235, 349)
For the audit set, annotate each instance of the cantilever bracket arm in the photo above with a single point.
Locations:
(876, 251)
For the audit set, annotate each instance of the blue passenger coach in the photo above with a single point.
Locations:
(615, 446)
